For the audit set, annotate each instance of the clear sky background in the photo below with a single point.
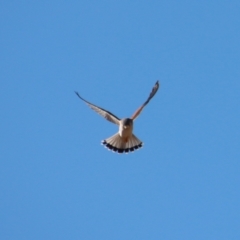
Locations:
(57, 181)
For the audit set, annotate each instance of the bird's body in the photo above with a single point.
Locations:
(124, 140)
(125, 128)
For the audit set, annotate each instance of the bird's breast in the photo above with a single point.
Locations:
(125, 132)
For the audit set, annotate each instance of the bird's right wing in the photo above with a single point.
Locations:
(106, 114)
(153, 92)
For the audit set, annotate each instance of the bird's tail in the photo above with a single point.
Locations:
(118, 144)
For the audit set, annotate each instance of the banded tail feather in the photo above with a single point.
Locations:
(118, 144)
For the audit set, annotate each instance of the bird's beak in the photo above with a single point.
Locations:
(125, 126)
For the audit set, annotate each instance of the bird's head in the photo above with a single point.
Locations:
(127, 123)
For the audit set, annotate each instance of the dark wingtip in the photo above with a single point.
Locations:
(77, 94)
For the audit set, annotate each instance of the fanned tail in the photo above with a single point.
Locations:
(118, 144)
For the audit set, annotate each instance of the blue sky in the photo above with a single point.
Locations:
(57, 181)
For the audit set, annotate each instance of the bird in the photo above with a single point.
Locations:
(124, 141)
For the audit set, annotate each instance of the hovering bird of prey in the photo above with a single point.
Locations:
(124, 140)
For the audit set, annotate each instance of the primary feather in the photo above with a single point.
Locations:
(104, 113)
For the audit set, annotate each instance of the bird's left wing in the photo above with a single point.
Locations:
(104, 113)
(153, 92)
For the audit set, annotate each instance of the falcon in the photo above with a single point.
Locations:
(124, 140)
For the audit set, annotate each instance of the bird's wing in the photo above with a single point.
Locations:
(107, 115)
(153, 92)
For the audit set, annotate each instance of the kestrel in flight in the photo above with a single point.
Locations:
(124, 140)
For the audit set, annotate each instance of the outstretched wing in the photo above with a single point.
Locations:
(107, 115)
(153, 92)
